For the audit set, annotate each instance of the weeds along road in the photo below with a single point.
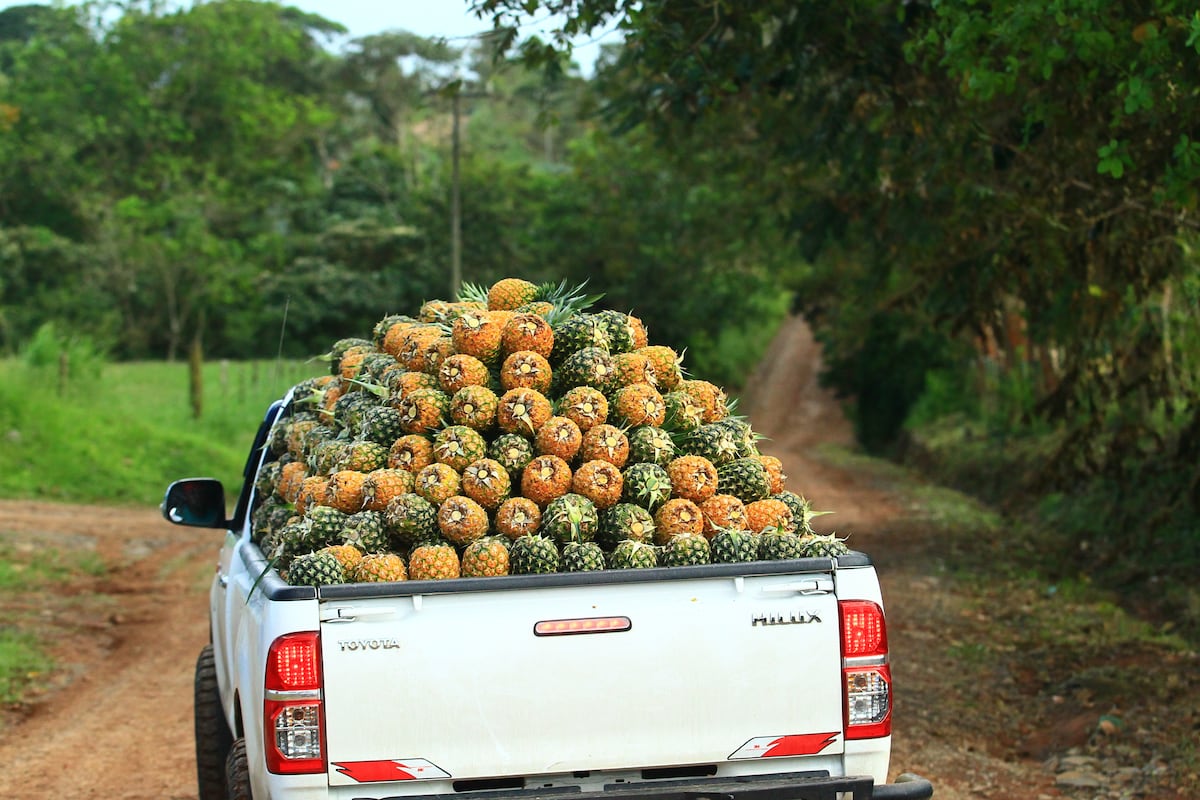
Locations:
(115, 722)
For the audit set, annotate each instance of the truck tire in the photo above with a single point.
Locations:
(213, 738)
(237, 773)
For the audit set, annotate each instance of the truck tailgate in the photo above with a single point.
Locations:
(462, 685)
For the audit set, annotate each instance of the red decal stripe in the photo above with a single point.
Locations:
(374, 771)
(801, 744)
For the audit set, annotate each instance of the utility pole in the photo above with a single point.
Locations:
(456, 187)
(455, 207)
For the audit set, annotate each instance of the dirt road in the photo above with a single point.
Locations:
(116, 722)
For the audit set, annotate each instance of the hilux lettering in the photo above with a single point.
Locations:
(792, 618)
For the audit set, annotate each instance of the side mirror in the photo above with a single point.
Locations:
(198, 502)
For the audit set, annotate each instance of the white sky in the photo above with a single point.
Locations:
(451, 19)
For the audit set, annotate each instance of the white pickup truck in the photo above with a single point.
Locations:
(761, 681)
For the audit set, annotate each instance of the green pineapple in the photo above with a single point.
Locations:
(316, 569)
(290, 540)
(683, 412)
(362, 456)
(802, 510)
(647, 485)
(410, 519)
(827, 546)
(349, 409)
(744, 478)
(718, 443)
(778, 545)
(326, 525)
(618, 331)
(570, 518)
(631, 554)
(459, 446)
(624, 521)
(650, 444)
(582, 557)
(686, 549)
(365, 530)
(381, 424)
(533, 555)
(591, 366)
(340, 348)
(734, 546)
(746, 438)
(575, 333)
(513, 451)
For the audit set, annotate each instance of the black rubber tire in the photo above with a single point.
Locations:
(237, 773)
(213, 738)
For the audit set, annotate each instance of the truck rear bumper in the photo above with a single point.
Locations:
(785, 786)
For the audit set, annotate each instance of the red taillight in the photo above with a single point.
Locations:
(866, 677)
(294, 719)
(863, 630)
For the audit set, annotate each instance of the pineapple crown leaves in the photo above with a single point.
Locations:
(372, 388)
(472, 293)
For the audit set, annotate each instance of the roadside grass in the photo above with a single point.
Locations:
(24, 664)
(118, 438)
(1028, 636)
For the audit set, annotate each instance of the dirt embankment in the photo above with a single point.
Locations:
(115, 722)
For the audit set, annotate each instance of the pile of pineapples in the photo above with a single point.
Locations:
(512, 432)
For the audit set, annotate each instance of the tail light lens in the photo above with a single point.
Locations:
(865, 672)
(294, 719)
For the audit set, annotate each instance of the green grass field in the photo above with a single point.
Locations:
(122, 436)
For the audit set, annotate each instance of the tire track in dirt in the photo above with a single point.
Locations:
(122, 727)
(787, 404)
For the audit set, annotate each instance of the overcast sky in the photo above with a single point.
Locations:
(451, 19)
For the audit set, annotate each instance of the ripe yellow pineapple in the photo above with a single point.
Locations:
(312, 492)
(693, 478)
(381, 486)
(433, 562)
(710, 397)
(523, 411)
(633, 368)
(527, 369)
(676, 516)
(475, 407)
(345, 491)
(379, 568)
(666, 363)
(605, 443)
(600, 482)
(485, 558)
(517, 517)
(508, 294)
(775, 476)
(545, 478)
(291, 477)
(527, 332)
(477, 333)
(437, 483)
(640, 404)
(722, 511)
(347, 555)
(559, 436)
(461, 370)
(769, 514)
(411, 453)
(585, 406)
(487, 482)
(461, 520)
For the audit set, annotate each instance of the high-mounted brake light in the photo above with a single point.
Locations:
(566, 627)
(292, 710)
(866, 676)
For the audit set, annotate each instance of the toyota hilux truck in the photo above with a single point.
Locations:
(768, 680)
